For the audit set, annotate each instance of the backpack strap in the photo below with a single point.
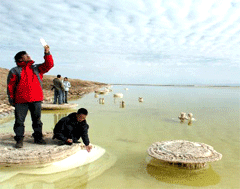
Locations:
(36, 71)
(17, 71)
(14, 71)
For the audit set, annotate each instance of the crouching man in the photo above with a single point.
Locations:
(70, 128)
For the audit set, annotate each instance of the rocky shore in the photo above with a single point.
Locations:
(78, 89)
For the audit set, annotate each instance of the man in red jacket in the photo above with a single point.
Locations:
(25, 93)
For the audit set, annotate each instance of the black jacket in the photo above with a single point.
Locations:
(69, 128)
(57, 83)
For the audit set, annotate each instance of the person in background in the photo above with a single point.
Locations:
(66, 85)
(24, 88)
(58, 90)
(73, 127)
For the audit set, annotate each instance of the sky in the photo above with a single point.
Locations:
(128, 41)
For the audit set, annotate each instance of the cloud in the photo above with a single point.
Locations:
(112, 32)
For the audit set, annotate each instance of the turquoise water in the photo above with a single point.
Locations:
(126, 133)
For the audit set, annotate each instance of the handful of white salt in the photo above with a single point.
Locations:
(43, 42)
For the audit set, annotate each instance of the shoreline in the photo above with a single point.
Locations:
(7, 111)
(197, 86)
(79, 89)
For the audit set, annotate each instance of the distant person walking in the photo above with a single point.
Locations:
(24, 88)
(58, 90)
(66, 85)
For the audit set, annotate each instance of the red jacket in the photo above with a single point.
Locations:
(28, 89)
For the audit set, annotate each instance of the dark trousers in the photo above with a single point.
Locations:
(65, 96)
(20, 115)
(58, 96)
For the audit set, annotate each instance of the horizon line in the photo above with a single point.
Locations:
(178, 85)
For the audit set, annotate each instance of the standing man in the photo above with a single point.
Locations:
(73, 127)
(24, 86)
(66, 85)
(58, 90)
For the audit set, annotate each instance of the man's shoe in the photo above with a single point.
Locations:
(39, 141)
(19, 143)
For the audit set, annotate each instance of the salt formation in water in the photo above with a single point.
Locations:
(190, 115)
(122, 104)
(192, 155)
(101, 100)
(104, 91)
(118, 95)
(36, 155)
(182, 116)
(48, 106)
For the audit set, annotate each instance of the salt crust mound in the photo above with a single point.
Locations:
(182, 151)
(48, 106)
(34, 154)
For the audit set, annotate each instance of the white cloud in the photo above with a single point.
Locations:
(125, 32)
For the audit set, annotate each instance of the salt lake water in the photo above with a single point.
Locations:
(126, 133)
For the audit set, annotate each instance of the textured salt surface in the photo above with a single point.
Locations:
(34, 154)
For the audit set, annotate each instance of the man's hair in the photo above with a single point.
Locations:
(82, 111)
(19, 55)
(58, 76)
(65, 78)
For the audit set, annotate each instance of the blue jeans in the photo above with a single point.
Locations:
(58, 96)
(65, 96)
(20, 115)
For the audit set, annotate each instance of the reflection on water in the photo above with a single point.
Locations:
(59, 116)
(189, 122)
(117, 100)
(122, 104)
(73, 178)
(101, 100)
(128, 132)
(174, 175)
